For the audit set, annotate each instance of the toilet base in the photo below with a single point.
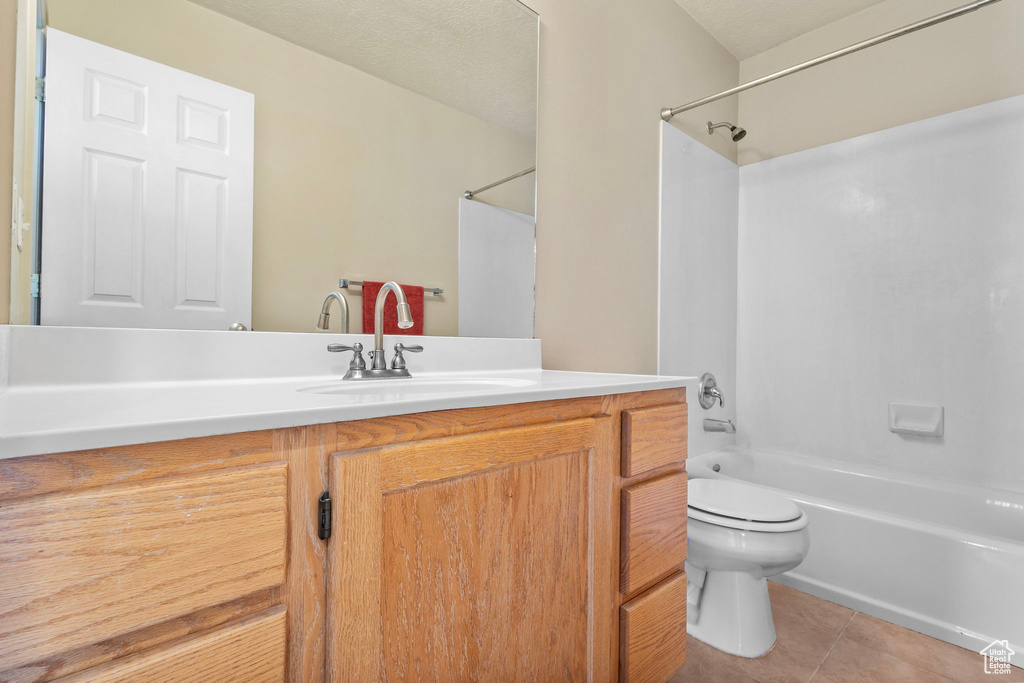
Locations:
(734, 614)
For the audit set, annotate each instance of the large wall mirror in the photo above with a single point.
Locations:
(209, 164)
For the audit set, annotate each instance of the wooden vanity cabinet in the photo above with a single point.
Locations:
(488, 543)
(156, 562)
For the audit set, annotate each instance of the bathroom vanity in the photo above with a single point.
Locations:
(540, 539)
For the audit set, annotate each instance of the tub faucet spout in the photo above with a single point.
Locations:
(725, 426)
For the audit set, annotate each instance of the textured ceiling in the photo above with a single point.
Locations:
(748, 27)
(477, 56)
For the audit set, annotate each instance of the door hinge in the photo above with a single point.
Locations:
(40, 89)
(33, 286)
(325, 515)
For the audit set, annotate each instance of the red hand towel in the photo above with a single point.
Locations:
(413, 296)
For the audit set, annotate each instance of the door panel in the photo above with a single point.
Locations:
(201, 215)
(480, 557)
(469, 574)
(147, 193)
(115, 188)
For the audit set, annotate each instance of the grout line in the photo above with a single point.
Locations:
(922, 667)
(838, 638)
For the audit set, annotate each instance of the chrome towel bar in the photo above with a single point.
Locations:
(345, 283)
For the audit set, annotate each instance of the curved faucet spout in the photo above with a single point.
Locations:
(325, 313)
(404, 320)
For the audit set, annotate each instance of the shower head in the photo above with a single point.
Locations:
(737, 132)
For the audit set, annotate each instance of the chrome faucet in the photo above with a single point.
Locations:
(378, 362)
(325, 312)
(377, 359)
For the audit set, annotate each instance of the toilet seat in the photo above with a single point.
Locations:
(734, 505)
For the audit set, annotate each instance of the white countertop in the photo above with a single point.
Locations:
(78, 413)
(54, 419)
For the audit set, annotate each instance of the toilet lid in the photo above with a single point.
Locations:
(740, 501)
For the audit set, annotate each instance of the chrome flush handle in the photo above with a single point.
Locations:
(398, 362)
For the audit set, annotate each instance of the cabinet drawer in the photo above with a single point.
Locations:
(250, 651)
(653, 530)
(653, 633)
(652, 438)
(85, 566)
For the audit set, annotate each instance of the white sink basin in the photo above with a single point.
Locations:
(414, 386)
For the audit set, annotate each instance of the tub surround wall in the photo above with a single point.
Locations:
(888, 268)
(697, 295)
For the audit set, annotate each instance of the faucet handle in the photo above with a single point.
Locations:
(398, 362)
(709, 392)
(358, 363)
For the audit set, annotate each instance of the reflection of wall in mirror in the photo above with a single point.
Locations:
(348, 176)
(8, 37)
(18, 104)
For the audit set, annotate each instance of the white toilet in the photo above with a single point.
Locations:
(739, 535)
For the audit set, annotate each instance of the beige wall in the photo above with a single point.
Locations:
(354, 177)
(22, 162)
(971, 60)
(607, 69)
(8, 41)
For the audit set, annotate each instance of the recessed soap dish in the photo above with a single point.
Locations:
(916, 419)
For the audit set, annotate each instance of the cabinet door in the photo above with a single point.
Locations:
(479, 557)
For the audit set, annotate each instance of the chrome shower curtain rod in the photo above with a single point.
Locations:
(469, 193)
(667, 114)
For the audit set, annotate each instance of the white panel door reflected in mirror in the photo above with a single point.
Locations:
(147, 193)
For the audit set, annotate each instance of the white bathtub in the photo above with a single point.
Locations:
(943, 559)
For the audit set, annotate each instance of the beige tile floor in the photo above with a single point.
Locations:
(823, 642)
